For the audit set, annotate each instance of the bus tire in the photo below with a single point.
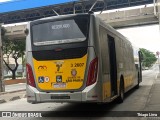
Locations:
(137, 86)
(121, 93)
(33, 103)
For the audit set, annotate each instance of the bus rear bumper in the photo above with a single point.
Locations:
(87, 95)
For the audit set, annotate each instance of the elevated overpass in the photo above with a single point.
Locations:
(117, 19)
(132, 17)
(31, 10)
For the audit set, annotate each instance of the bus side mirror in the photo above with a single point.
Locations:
(141, 57)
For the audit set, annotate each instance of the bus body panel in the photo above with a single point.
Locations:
(67, 74)
(123, 51)
(84, 96)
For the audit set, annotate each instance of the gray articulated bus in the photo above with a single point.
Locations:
(79, 58)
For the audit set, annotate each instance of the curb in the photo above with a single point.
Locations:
(24, 96)
(158, 76)
(2, 101)
(15, 98)
(2, 93)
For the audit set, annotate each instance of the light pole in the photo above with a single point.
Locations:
(158, 60)
(1, 68)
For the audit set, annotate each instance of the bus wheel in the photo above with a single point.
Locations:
(121, 93)
(33, 102)
(137, 86)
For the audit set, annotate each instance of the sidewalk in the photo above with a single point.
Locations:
(153, 103)
(11, 96)
(14, 89)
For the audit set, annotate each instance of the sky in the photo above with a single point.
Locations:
(147, 37)
(4, 0)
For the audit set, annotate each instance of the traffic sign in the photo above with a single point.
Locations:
(158, 53)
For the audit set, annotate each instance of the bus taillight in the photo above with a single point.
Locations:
(92, 73)
(30, 77)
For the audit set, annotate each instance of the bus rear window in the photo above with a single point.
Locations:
(58, 32)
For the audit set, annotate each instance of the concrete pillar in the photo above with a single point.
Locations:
(157, 13)
(2, 87)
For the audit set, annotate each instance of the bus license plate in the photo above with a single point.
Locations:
(59, 85)
(60, 97)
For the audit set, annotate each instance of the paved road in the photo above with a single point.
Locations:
(15, 87)
(135, 100)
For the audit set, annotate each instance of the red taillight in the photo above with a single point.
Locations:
(29, 75)
(92, 73)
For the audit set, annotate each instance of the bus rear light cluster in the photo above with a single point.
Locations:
(92, 73)
(30, 77)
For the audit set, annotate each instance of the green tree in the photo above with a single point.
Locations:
(148, 58)
(12, 49)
